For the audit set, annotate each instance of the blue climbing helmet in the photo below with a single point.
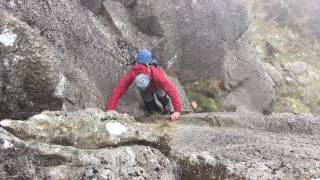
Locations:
(143, 57)
(142, 82)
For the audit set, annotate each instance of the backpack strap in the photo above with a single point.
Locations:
(151, 72)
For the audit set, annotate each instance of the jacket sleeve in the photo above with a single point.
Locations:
(172, 93)
(122, 87)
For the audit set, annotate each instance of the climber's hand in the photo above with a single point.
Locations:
(112, 111)
(175, 116)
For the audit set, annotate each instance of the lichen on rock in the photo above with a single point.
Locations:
(78, 144)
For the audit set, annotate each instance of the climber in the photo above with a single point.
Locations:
(151, 81)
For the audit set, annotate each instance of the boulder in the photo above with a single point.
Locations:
(21, 159)
(91, 128)
(202, 40)
(199, 146)
(92, 55)
(86, 144)
(296, 67)
(29, 73)
(273, 73)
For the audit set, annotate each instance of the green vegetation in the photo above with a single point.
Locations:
(280, 40)
(290, 104)
(161, 124)
(207, 94)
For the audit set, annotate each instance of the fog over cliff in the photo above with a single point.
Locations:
(247, 74)
(286, 38)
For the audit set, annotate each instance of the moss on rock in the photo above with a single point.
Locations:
(207, 94)
(279, 44)
(290, 104)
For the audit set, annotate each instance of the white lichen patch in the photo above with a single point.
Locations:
(12, 3)
(115, 128)
(193, 156)
(64, 107)
(61, 87)
(7, 38)
(6, 62)
(16, 60)
(57, 150)
(40, 117)
(208, 158)
(7, 144)
(5, 123)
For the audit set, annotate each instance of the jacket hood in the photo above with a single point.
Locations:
(141, 69)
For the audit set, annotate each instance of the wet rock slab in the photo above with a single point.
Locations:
(224, 153)
(92, 144)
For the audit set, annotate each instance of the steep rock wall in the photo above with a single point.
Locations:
(94, 41)
(200, 40)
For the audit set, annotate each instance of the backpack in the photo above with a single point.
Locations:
(146, 58)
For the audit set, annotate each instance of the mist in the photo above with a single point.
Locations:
(286, 36)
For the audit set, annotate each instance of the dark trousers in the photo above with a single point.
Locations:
(151, 104)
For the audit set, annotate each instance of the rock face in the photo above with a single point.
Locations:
(208, 39)
(69, 55)
(273, 73)
(58, 145)
(287, 39)
(92, 56)
(89, 129)
(248, 154)
(94, 41)
(29, 72)
(200, 146)
(21, 160)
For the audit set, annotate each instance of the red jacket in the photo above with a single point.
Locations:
(158, 81)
